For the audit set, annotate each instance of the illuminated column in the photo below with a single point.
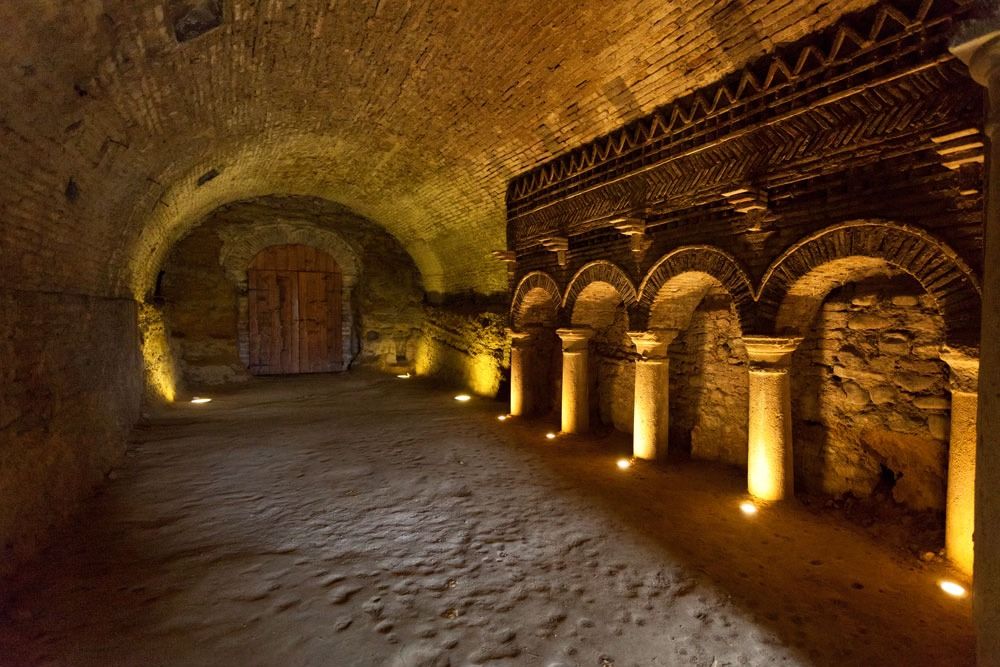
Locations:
(977, 43)
(769, 449)
(520, 392)
(961, 493)
(575, 384)
(652, 392)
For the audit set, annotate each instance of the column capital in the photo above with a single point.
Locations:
(520, 338)
(575, 340)
(977, 44)
(770, 352)
(964, 376)
(653, 344)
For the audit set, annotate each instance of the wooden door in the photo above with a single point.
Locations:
(295, 311)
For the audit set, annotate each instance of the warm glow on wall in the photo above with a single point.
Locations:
(480, 373)
(157, 357)
(485, 376)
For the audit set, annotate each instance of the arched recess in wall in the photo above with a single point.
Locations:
(702, 294)
(595, 291)
(797, 282)
(889, 317)
(600, 297)
(534, 314)
(240, 246)
(676, 284)
(536, 301)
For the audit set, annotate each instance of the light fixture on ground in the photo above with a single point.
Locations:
(502, 418)
(748, 508)
(550, 435)
(403, 376)
(201, 399)
(463, 398)
(624, 464)
(952, 588)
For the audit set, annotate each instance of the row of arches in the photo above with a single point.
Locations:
(698, 326)
(789, 292)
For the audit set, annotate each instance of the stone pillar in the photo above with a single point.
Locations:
(521, 400)
(769, 448)
(652, 393)
(961, 495)
(575, 383)
(978, 45)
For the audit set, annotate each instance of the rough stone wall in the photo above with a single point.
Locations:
(463, 343)
(870, 391)
(71, 379)
(201, 300)
(612, 378)
(709, 384)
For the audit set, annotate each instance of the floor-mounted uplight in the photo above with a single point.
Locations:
(403, 376)
(952, 588)
(550, 436)
(624, 464)
(748, 508)
(462, 398)
(501, 418)
(200, 399)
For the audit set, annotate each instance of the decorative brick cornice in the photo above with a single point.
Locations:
(825, 64)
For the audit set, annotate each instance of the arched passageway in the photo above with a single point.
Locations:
(535, 358)
(597, 375)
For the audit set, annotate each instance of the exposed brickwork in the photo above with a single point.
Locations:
(696, 259)
(413, 114)
(752, 167)
(598, 272)
(536, 300)
(936, 267)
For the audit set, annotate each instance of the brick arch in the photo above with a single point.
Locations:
(599, 272)
(241, 245)
(537, 300)
(796, 283)
(693, 269)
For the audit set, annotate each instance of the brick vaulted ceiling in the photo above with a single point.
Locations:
(412, 113)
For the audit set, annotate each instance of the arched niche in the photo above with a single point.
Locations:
(599, 297)
(703, 295)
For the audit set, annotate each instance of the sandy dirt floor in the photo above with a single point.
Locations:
(364, 520)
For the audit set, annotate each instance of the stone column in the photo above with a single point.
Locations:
(575, 383)
(978, 45)
(521, 400)
(652, 393)
(769, 448)
(961, 494)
